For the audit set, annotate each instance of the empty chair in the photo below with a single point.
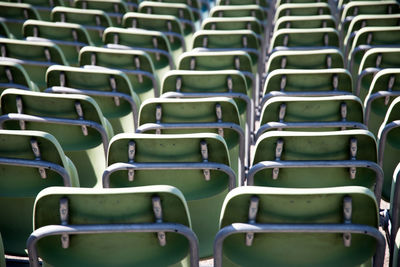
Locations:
(94, 21)
(119, 227)
(109, 88)
(235, 11)
(34, 56)
(13, 75)
(136, 64)
(281, 2)
(14, 15)
(303, 9)
(69, 37)
(195, 7)
(155, 43)
(115, 9)
(305, 22)
(383, 90)
(43, 7)
(318, 227)
(30, 161)
(263, 3)
(75, 120)
(197, 164)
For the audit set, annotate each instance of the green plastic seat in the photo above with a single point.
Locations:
(367, 38)
(297, 113)
(239, 11)
(307, 82)
(325, 58)
(260, 226)
(30, 161)
(115, 9)
(146, 226)
(75, 120)
(43, 7)
(69, 37)
(109, 88)
(305, 22)
(374, 60)
(302, 9)
(167, 24)
(14, 15)
(13, 75)
(177, 160)
(155, 43)
(264, 4)
(35, 56)
(94, 21)
(4, 32)
(136, 64)
(388, 137)
(194, 5)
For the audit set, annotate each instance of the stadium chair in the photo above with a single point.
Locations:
(109, 88)
(383, 90)
(239, 11)
(373, 61)
(34, 56)
(136, 64)
(281, 2)
(13, 75)
(115, 9)
(299, 227)
(264, 4)
(167, 24)
(43, 7)
(94, 21)
(155, 43)
(367, 38)
(69, 37)
(305, 22)
(303, 9)
(311, 114)
(388, 149)
(197, 164)
(146, 226)
(75, 120)
(194, 5)
(13, 15)
(30, 161)
(325, 58)
(4, 32)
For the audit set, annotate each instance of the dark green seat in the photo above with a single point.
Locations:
(146, 226)
(75, 120)
(281, 2)
(35, 56)
(69, 37)
(239, 11)
(115, 9)
(302, 9)
(136, 64)
(43, 7)
(109, 88)
(299, 227)
(194, 5)
(4, 32)
(197, 164)
(305, 22)
(13, 75)
(94, 21)
(30, 161)
(264, 4)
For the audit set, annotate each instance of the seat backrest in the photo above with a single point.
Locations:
(30, 161)
(115, 9)
(239, 23)
(75, 120)
(194, 5)
(13, 75)
(302, 9)
(305, 22)
(112, 227)
(120, 106)
(239, 11)
(4, 32)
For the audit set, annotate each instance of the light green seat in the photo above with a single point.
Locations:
(302, 9)
(177, 160)
(43, 7)
(112, 227)
(69, 37)
(305, 22)
(155, 43)
(297, 113)
(167, 24)
(13, 75)
(194, 5)
(239, 11)
(34, 56)
(24, 174)
(299, 227)
(136, 64)
(388, 137)
(374, 60)
(109, 88)
(94, 21)
(115, 9)
(367, 38)
(264, 4)
(281, 2)
(75, 120)
(325, 58)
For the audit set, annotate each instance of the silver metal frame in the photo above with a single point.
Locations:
(243, 228)
(51, 230)
(169, 166)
